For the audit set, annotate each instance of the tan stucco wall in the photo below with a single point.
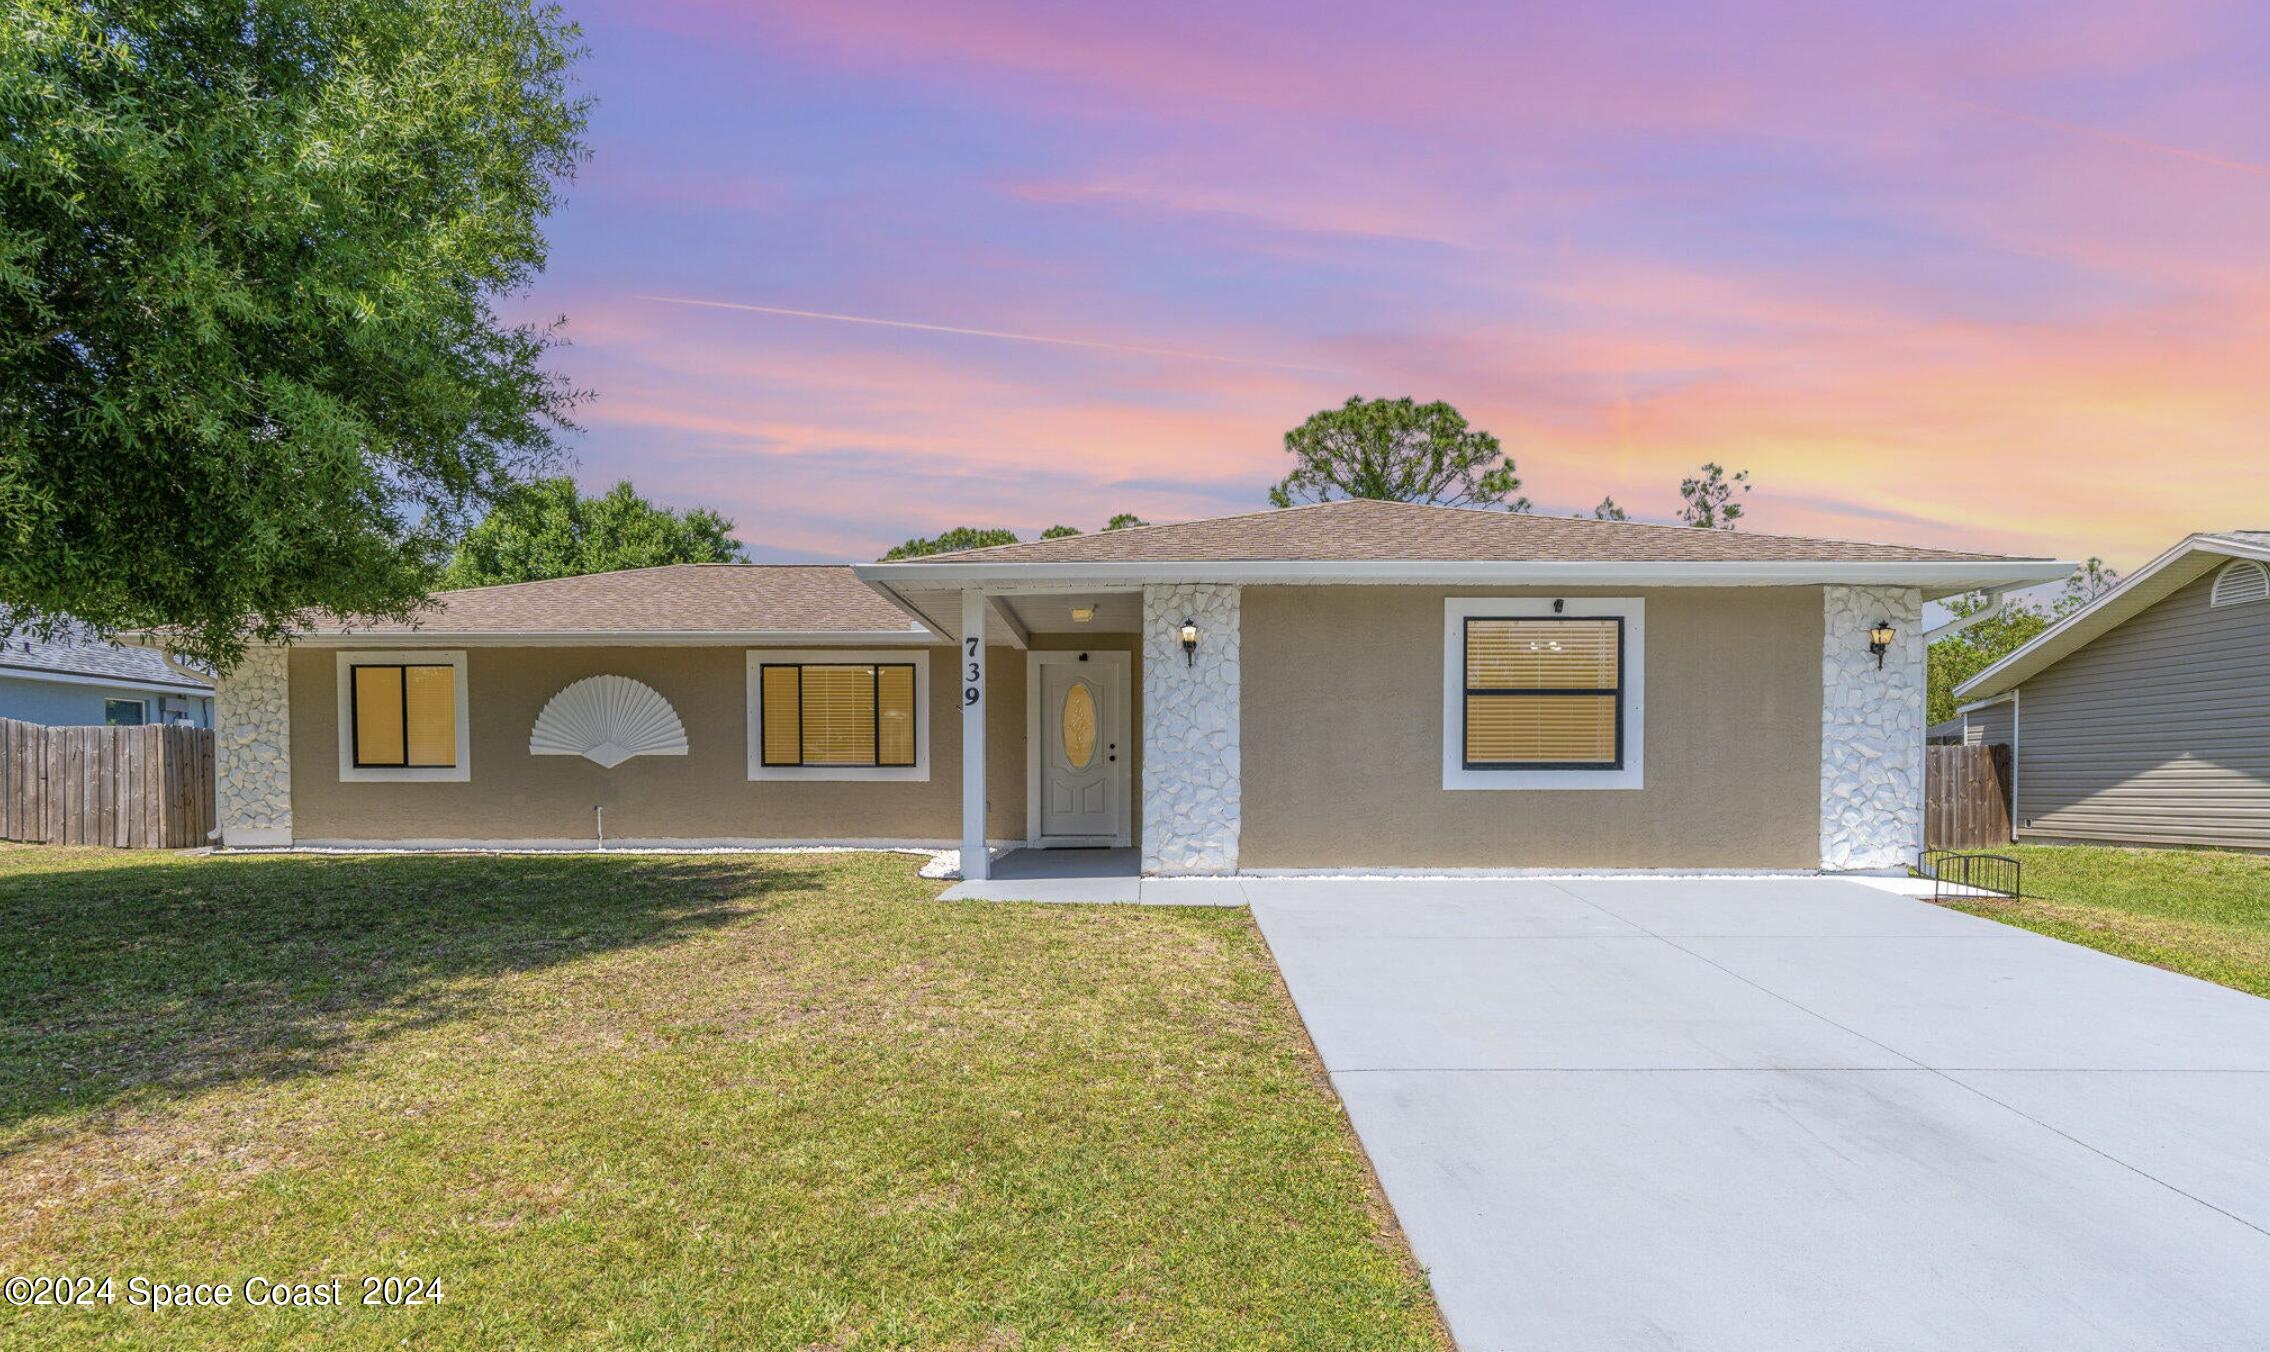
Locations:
(705, 794)
(1342, 715)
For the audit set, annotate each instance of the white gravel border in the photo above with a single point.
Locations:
(936, 863)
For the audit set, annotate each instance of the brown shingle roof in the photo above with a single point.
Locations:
(1366, 530)
(680, 598)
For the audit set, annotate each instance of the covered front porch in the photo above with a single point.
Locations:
(1129, 714)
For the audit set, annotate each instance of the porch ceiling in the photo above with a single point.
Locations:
(1117, 611)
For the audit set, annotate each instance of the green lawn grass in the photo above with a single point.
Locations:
(788, 1102)
(2204, 912)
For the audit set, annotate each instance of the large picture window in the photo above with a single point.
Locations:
(1544, 693)
(825, 714)
(819, 713)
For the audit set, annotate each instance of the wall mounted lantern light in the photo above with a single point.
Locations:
(1190, 643)
(1880, 641)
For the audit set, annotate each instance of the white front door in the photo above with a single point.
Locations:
(1082, 773)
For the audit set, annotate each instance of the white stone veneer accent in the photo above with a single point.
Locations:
(252, 739)
(1871, 729)
(1191, 775)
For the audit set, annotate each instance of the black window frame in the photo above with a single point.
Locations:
(355, 714)
(875, 703)
(1465, 665)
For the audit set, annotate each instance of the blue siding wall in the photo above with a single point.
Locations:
(62, 703)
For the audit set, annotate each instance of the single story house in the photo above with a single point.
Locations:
(1340, 686)
(2144, 717)
(78, 680)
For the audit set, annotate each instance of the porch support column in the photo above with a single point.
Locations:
(970, 665)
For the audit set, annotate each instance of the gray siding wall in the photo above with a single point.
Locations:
(2157, 733)
(1990, 726)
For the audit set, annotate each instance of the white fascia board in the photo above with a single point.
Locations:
(1935, 578)
(1989, 702)
(110, 682)
(914, 612)
(612, 638)
(2054, 642)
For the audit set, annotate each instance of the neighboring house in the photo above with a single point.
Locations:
(1988, 723)
(2144, 718)
(1349, 685)
(75, 679)
(1991, 722)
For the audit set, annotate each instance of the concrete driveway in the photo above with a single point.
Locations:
(1797, 1113)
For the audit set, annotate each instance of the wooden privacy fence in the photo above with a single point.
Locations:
(1966, 797)
(135, 788)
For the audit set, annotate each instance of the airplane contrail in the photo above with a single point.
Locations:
(1046, 339)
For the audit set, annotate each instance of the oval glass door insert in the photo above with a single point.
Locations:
(1079, 726)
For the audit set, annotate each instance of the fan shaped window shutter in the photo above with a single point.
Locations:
(608, 720)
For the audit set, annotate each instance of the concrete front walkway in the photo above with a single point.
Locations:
(1091, 875)
(1802, 1113)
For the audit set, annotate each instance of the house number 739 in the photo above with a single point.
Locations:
(973, 677)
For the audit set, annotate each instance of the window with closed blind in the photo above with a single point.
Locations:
(1544, 693)
(821, 715)
(815, 714)
(1540, 693)
(402, 716)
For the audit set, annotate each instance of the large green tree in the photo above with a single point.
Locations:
(548, 529)
(1398, 450)
(251, 364)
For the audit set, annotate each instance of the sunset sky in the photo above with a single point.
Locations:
(1932, 276)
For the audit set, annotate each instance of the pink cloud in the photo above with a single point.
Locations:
(1947, 278)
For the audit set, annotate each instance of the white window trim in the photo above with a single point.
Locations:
(1458, 609)
(351, 773)
(753, 695)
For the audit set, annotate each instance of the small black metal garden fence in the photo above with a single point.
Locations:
(1954, 874)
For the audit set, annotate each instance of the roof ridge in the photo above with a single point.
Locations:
(1664, 525)
(1642, 526)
